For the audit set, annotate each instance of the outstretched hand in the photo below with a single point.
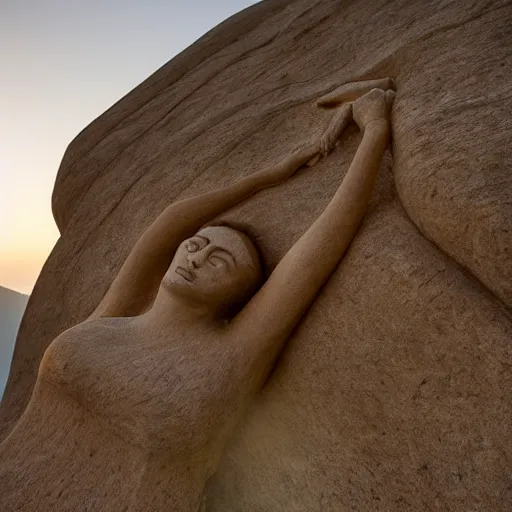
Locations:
(373, 106)
(368, 101)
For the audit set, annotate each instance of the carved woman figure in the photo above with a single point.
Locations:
(169, 375)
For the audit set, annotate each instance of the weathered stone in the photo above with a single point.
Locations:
(393, 394)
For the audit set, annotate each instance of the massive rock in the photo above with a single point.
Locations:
(394, 392)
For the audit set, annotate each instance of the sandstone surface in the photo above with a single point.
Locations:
(394, 392)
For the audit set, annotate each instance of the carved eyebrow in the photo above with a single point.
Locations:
(205, 240)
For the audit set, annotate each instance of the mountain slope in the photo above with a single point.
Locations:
(12, 306)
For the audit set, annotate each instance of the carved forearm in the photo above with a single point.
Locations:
(336, 127)
(287, 167)
(269, 318)
(187, 216)
(333, 231)
(183, 218)
(346, 209)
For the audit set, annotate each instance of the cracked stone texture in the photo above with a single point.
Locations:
(394, 392)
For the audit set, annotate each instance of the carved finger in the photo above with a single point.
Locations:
(353, 90)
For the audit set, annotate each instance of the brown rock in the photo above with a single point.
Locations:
(393, 394)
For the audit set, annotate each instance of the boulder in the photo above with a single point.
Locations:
(394, 392)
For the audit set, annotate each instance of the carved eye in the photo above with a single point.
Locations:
(217, 261)
(191, 246)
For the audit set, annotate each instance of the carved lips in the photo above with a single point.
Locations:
(186, 274)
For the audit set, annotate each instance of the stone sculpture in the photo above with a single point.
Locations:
(392, 393)
(190, 307)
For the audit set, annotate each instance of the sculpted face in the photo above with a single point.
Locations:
(218, 266)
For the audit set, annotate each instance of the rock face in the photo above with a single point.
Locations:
(393, 394)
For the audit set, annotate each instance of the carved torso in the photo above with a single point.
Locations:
(184, 403)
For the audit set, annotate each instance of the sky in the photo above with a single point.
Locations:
(62, 64)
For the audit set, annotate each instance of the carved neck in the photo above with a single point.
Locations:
(171, 312)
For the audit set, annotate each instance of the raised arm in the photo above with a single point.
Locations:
(268, 319)
(133, 289)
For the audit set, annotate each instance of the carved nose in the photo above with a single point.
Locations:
(198, 258)
(195, 260)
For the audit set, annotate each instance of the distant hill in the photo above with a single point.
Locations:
(12, 306)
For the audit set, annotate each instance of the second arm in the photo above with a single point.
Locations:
(270, 317)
